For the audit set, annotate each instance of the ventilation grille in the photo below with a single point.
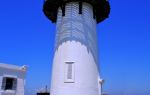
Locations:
(69, 72)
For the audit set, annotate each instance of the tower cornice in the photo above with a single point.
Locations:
(101, 8)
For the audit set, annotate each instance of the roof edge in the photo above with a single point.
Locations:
(13, 67)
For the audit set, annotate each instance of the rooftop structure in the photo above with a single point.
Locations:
(101, 8)
(43, 93)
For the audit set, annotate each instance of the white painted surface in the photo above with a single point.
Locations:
(20, 86)
(86, 73)
(76, 42)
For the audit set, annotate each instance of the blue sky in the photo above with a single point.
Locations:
(27, 37)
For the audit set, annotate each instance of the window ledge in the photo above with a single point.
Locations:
(8, 91)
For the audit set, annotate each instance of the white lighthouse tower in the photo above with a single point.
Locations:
(75, 64)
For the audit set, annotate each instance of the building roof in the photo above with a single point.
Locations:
(13, 67)
(101, 7)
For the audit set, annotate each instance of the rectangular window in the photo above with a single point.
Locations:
(69, 72)
(9, 83)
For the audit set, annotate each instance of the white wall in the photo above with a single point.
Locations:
(20, 86)
(86, 72)
(76, 41)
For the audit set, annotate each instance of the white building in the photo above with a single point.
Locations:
(12, 79)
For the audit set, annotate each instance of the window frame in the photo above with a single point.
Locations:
(5, 83)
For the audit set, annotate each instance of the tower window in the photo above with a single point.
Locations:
(9, 83)
(69, 72)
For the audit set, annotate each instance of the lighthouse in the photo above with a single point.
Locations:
(75, 68)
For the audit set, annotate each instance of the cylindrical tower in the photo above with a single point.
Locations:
(75, 64)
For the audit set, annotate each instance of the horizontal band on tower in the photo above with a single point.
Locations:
(101, 8)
